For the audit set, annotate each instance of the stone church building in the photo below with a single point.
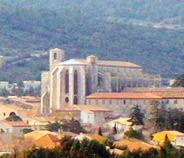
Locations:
(69, 81)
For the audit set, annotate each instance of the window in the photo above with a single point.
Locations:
(175, 101)
(96, 101)
(103, 102)
(66, 99)
(75, 82)
(66, 81)
(117, 102)
(124, 102)
(75, 100)
(55, 56)
(110, 101)
(89, 101)
(4, 114)
(167, 101)
(130, 101)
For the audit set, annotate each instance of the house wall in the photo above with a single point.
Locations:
(18, 131)
(87, 117)
(123, 106)
(6, 128)
(120, 106)
(179, 139)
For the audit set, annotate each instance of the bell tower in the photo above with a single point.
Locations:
(56, 56)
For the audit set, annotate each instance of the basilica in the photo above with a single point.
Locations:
(68, 82)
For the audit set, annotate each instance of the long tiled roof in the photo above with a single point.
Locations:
(164, 92)
(153, 89)
(116, 95)
(111, 63)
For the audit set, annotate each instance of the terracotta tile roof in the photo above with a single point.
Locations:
(84, 108)
(171, 92)
(17, 123)
(46, 141)
(153, 89)
(34, 135)
(122, 95)
(134, 144)
(111, 63)
(94, 136)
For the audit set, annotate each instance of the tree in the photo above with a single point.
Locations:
(156, 115)
(115, 129)
(179, 81)
(14, 118)
(27, 130)
(53, 126)
(133, 134)
(75, 126)
(4, 92)
(136, 116)
(100, 131)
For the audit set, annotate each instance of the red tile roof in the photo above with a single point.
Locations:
(153, 89)
(133, 144)
(17, 123)
(47, 141)
(111, 63)
(164, 92)
(117, 95)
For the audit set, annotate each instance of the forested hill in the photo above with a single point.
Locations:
(81, 28)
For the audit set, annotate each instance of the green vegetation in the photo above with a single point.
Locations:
(133, 134)
(179, 81)
(29, 28)
(14, 118)
(67, 125)
(136, 116)
(56, 126)
(93, 149)
(171, 119)
(27, 130)
(72, 149)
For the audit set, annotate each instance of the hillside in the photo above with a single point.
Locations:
(33, 27)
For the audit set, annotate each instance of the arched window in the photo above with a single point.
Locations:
(75, 82)
(12, 114)
(55, 56)
(66, 81)
(75, 100)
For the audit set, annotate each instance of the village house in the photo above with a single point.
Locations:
(11, 109)
(175, 137)
(14, 127)
(121, 124)
(122, 102)
(93, 115)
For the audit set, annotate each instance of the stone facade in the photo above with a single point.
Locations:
(69, 82)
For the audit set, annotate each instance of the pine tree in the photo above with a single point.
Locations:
(136, 116)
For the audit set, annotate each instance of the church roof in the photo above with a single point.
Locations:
(71, 62)
(116, 95)
(111, 63)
